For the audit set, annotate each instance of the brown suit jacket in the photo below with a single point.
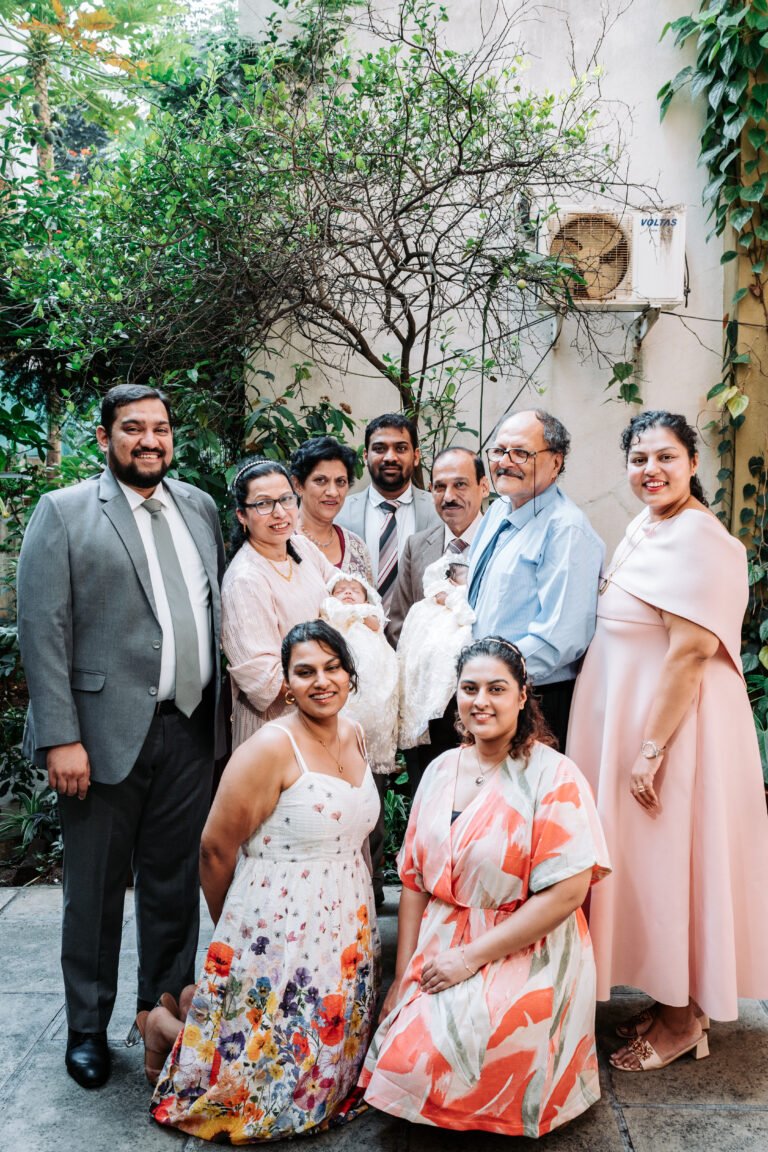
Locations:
(421, 550)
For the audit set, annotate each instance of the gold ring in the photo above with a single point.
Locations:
(641, 787)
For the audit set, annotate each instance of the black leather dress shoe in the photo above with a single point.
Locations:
(87, 1058)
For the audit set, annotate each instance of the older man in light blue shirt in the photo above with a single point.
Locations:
(535, 561)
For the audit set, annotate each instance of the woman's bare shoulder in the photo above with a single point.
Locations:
(265, 752)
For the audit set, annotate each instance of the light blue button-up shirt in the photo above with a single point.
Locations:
(539, 589)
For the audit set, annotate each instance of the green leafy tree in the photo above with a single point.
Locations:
(370, 202)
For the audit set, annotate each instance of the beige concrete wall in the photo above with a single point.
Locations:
(680, 357)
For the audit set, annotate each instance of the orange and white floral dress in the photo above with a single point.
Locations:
(284, 1008)
(511, 1049)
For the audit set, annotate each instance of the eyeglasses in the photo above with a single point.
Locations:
(516, 455)
(266, 507)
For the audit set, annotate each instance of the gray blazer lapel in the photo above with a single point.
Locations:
(432, 549)
(352, 515)
(425, 511)
(117, 508)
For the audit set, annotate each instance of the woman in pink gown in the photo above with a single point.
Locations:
(662, 727)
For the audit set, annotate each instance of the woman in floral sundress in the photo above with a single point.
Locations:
(282, 1014)
(490, 1021)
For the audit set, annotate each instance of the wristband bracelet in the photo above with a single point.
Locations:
(472, 971)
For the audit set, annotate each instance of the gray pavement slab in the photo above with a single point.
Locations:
(693, 1106)
(684, 1129)
(24, 1022)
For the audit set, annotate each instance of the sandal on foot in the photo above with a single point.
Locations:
(154, 1059)
(649, 1059)
(169, 1002)
(640, 1023)
(636, 1025)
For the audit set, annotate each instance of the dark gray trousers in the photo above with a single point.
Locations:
(150, 822)
(378, 834)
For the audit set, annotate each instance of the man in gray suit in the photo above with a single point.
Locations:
(386, 514)
(390, 509)
(459, 487)
(119, 612)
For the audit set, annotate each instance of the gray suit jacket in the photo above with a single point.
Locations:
(421, 550)
(352, 515)
(89, 636)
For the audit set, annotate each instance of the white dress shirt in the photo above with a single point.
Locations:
(194, 577)
(467, 536)
(405, 518)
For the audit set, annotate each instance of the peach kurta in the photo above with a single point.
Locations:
(511, 1049)
(258, 608)
(685, 912)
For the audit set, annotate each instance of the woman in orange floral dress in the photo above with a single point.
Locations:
(281, 1017)
(489, 1023)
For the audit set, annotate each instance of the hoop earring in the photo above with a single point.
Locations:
(290, 698)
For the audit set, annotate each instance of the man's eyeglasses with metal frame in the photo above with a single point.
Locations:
(516, 455)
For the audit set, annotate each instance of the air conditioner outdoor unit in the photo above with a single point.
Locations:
(629, 261)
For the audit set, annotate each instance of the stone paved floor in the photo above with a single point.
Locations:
(716, 1105)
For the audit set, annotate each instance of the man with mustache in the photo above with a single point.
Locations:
(535, 561)
(459, 486)
(119, 611)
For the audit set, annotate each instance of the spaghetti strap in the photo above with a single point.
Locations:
(299, 758)
(361, 740)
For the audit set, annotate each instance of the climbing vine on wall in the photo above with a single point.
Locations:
(731, 39)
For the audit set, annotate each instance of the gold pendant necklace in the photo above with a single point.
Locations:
(485, 772)
(322, 743)
(643, 531)
(282, 575)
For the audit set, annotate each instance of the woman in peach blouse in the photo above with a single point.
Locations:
(276, 579)
(489, 1024)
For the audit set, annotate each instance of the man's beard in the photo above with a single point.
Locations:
(391, 482)
(133, 477)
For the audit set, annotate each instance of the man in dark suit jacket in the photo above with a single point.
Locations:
(122, 667)
(459, 487)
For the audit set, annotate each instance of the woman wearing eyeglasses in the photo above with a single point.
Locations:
(275, 579)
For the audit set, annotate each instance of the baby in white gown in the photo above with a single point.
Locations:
(435, 630)
(354, 609)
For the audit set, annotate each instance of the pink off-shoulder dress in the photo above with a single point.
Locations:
(685, 912)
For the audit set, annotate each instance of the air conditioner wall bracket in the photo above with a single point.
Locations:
(641, 323)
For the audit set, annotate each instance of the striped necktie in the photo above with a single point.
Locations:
(457, 546)
(387, 575)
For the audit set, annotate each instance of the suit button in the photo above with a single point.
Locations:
(153, 691)
(155, 643)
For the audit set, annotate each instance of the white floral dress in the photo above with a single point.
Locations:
(284, 1009)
